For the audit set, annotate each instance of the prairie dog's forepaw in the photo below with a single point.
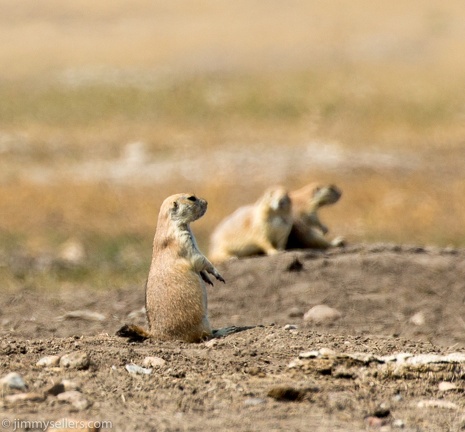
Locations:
(272, 251)
(215, 273)
(339, 242)
(219, 277)
(205, 278)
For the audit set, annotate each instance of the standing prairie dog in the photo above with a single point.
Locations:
(176, 295)
(262, 227)
(307, 229)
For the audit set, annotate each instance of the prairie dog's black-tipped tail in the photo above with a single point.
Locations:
(226, 331)
(133, 332)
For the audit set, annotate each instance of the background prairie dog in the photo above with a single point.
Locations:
(307, 229)
(262, 227)
(176, 295)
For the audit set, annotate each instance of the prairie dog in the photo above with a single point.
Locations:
(262, 227)
(176, 295)
(307, 229)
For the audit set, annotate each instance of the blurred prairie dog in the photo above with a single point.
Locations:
(307, 229)
(176, 295)
(262, 227)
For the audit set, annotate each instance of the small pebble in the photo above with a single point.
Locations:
(70, 385)
(52, 360)
(75, 398)
(398, 423)
(437, 403)
(309, 354)
(153, 362)
(446, 386)
(24, 397)
(290, 327)
(254, 401)
(295, 363)
(75, 360)
(134, 369)
(327, 352)
(418, 319)
(13, 380)
(320, 314)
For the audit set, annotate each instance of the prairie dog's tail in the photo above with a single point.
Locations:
(226, 331)
(133, 332)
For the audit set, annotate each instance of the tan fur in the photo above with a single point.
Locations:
(307, 229)
(262, 227)
(176, 295)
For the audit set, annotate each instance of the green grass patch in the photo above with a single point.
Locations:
(214, 98)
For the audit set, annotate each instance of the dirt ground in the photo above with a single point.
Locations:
(391, 299)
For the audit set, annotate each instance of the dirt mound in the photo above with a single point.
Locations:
(301, 370)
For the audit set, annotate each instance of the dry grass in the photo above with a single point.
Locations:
(207, 83)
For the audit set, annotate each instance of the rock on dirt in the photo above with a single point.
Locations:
(75, 360)
(322, 314)
(13, 380)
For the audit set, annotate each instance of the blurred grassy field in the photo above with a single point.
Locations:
(223, 99)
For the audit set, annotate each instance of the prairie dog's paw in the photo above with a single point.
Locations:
(217, 275)
(339, 242)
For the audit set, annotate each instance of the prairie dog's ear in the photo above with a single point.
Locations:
(174, 207)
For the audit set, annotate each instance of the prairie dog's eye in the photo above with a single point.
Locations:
(192, 198)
